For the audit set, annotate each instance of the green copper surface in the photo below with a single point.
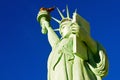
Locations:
(76, 55)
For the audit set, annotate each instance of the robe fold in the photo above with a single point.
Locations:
(64, 65)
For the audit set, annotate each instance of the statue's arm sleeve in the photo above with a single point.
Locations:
(98, 63)
(52, 37)
(44, 19)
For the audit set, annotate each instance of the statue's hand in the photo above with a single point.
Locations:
(75, 28)
(44, 18)
(44, 24)
(79, 31)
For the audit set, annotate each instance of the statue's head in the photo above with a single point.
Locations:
(65, 27)
(66, 23)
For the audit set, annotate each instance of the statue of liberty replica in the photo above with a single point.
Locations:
(76, 55)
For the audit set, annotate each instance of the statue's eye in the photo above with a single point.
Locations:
(63, 27)
(72, 24)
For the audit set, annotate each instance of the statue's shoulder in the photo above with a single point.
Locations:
(61, 43)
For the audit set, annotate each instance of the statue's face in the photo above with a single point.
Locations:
(65, 29)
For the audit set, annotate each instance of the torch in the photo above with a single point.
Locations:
(43, 18)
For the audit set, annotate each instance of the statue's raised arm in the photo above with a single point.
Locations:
(76, 55)
(44, 19)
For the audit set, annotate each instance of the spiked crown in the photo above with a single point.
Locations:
(75, 18)
(63, 18)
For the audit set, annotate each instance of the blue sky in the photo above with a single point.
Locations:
(24, 49)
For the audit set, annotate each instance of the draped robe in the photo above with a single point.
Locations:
(63, 64)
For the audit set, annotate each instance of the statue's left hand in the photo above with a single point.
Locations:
(79, 31)
(75, 29)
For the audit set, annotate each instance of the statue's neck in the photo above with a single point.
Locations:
(67, 37)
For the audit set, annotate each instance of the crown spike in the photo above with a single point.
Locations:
(57, 29)
(68, 16)
(74, 16)
(60, 14)
(75, 10)
(56, 20)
